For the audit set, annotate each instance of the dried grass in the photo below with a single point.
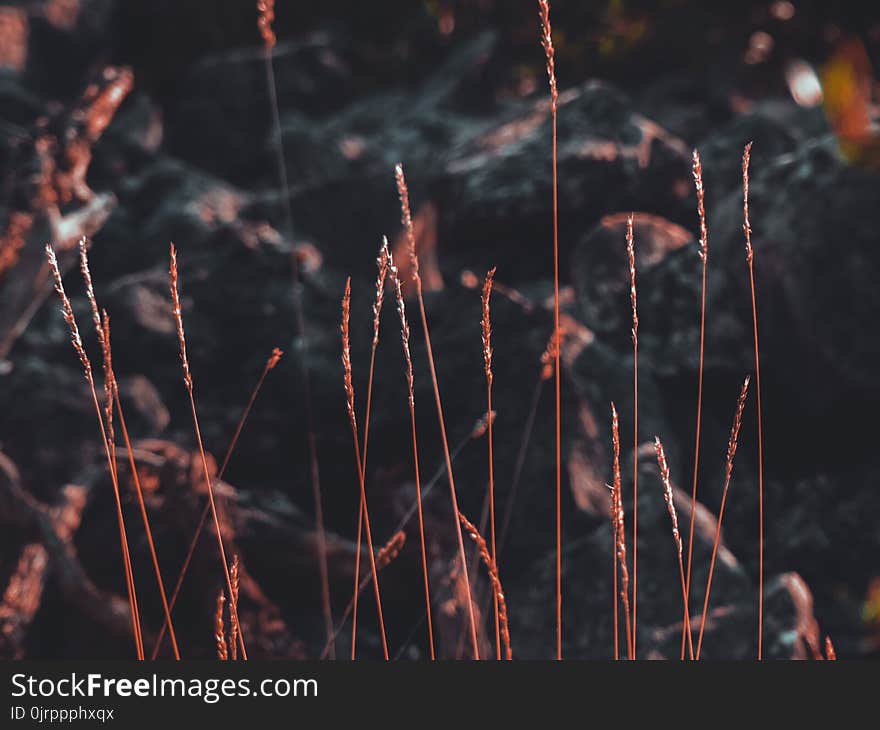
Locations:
(747, 230)
(631, 256)
(265, 19)
(550, 55)
(406, 220)
(273, 360)
(492, 569)
(830, 654)
(382, 273)
(390, 550)
(102, 329)
(486, 326)
(619, 532)
(728, 471)
(233, 608)
(410, 381)
(220, 628)
(108, 444)
(663, 466)
(352, 418)
(386, 555)
(187, 379)
(704, 256)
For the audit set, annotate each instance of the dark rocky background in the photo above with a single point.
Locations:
(138, 122)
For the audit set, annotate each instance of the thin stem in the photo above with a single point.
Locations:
(123, 537)
(405, 335)
(550, 55)
(492, 518)
(349, 390)
(448, 458)
(687, 618)
(270, 363)
(760, 471)
(370, 549)
(102, 327)
(300, 324)
(422, 537)
(630, 249)
(111, 388)
(619, 529)
(614, 595)
(704, 257)
(676, 536)
(188, 382)
(357, 573)
(696, 450)
(487, 358)
(635, 491)
(382, 262)
(747, 228)
(233, 610)
(362, 466)
(406, 217)
(410, 513)
(106, 440)
(140, 497)
(731, 452)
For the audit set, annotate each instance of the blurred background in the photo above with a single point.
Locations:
(139, 122)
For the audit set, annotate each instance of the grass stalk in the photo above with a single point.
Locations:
(349, 393)
(109, 447)
(382, 263)
(663, 465)
(550, 54)
(631, 256)
(384, 557)
(203, 519)
(728, 471)
(410, 379)
(747, 229)
(704, 256)
(619, 531)
(492, 569)
(102, 329)
(220, 629)
(486, 325)
(406, 219)
(233, 608)
(830, 654)
(188, 382)
(265, 21)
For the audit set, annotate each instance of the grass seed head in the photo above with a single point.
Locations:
(265, 19)
(67, 311)
(631, 256)
(747, 226)
(406, 219)
(667, 491)
(487, 325)
(701, 205)
(178, 318)
(549, 51)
